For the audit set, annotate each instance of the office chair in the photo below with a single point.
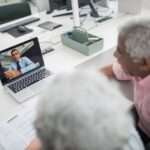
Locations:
(14, 11)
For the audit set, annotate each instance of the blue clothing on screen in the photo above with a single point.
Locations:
(25, 65)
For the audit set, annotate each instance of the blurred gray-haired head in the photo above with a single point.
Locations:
(136, 34)
(80, 111)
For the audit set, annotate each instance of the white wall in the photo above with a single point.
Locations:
(146, 4)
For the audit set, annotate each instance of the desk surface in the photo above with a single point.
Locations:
(63, 57)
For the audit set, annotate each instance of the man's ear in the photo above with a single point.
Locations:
(147, 60)
(146, 65)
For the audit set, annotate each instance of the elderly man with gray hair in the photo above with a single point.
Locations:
(133, 63)
(80, 111)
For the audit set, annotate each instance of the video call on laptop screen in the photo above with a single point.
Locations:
(19, 60)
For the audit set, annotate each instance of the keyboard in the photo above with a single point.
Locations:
(19, 23)
(63, 14)
(103, 19)
(29, 80)
(68, 13)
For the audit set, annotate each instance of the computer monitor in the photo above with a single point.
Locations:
(12, 11)
(103, 3)
(13, 15)
(56, 4)
(87, 2)
(81, 3)
(66, 4)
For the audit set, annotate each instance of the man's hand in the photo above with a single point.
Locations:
(107, 71)
(34, 145)
(10, 74)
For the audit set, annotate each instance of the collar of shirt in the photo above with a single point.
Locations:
(20, 60)
(145, 82)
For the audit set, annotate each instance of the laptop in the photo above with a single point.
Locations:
(21, 68)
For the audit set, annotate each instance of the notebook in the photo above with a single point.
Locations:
(22, 68)
(18, 131)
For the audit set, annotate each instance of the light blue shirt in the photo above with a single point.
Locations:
(25, 64)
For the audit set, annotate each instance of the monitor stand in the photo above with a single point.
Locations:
(94, 12)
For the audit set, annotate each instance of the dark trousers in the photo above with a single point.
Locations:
(144, 137)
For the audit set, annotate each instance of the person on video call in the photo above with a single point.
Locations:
(19, 66)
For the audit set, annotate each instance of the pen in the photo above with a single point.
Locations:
(12, 118)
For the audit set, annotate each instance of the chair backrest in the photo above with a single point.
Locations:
(14, 11)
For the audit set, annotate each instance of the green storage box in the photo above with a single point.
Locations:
(87, 46)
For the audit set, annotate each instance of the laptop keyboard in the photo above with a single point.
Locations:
(29, 80)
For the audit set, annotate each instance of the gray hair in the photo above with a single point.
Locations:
(80, 111)
(136, 34)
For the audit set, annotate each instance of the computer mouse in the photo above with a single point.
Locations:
(21, 29)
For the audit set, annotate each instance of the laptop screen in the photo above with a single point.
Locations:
(19, 60)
